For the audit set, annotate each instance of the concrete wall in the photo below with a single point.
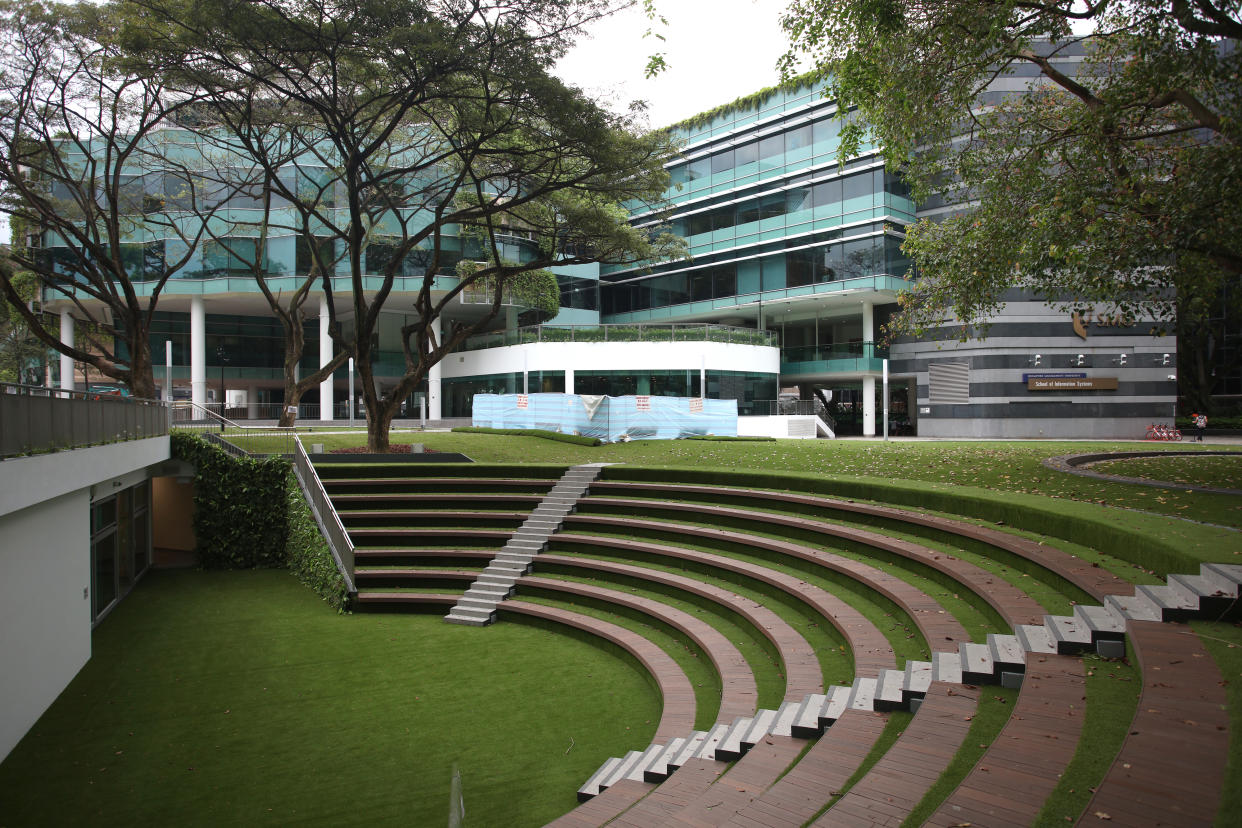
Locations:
(45, 607)
(782, 427)
(45, 569)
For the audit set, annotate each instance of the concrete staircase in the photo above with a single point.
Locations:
(1213, 593)
(477, 606)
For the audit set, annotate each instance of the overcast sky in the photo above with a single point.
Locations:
(717, 50)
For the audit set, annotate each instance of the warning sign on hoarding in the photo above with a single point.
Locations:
(696, 405)
(642, 403)
(522, 400)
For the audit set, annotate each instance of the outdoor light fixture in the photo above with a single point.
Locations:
(1081, 360)
(1038, 360)
(1165, 360)
(1121, 361)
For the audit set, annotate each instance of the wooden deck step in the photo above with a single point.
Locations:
(1021, 767)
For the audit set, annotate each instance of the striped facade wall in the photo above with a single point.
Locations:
(980, 388)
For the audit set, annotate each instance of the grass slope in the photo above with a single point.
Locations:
(239, 698)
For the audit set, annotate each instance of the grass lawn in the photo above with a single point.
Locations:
(239, 698)
(1216, 472)
(1000, 466)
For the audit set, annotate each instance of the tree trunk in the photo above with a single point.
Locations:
(377, 423)
(289, 408)
(141, 374)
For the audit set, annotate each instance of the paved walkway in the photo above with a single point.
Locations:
(1080, 464)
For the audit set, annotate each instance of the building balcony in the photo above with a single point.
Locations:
(843, 358)
(686, 332)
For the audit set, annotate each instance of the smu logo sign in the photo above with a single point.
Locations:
(1082, 321)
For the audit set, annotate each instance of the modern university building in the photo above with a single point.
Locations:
(794, 267)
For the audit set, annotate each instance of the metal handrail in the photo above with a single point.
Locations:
(182, 405)
(330, 525)
(623, 332)
(37, 419)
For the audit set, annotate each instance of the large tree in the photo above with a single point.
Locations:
(81, 165)
(425, 122)
(1117, 185)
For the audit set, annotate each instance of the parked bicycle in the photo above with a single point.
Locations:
(1162, 431)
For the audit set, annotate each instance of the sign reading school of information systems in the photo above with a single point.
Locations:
(1068, 382)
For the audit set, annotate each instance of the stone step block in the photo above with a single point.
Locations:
(836, 705)
(918, 678)
(1006, 653)
(782, 725)
(620, 771)
(707, 750)
(469, 617)
(730, 747)
(1070, 633)
(888, 695)
(1212, 601)
(862, 693)
(1035, 638)
(1131, 608)
(659, 768)
(760, 726)
(977, 665)
(639, 772)
(1102, 623)
(472, 602)
(806, 724)
(497, 579)
(1226, 576)
(691, 746)
(1168, 605)
(947, 667)
(486, 592)
(592, 786)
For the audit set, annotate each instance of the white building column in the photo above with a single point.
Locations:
(569, 380)
(252, 403)
(434, 382)
(868, 392)
(198, 352)
(66, 362)
(325, 356)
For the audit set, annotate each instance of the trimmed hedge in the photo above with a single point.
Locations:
(307, 552)
(1160, 554)
(239, 505)
(575, 439)
(722, 438)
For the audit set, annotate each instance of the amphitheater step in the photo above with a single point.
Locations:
(888, 691)
(659, 769)
(514, 559)
(1035, 638)
(918, 679)
(730, 746)
(862, 693)
(947, 667)
(1070, 632)
(1226, 576)
(806, 724)
(1208, 597)
(593, 787)
(782, 725)
(1006, 653)
(622, 770)
(470, 617)
(1128, 608)
(1102, 623)
(714, 736)
(1167, 604)
(688, 750)
(760, 726)
(976, 662)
